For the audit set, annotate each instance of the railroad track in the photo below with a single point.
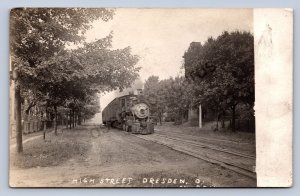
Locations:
(213, 147)
(207, 153)
(234, 146)
(178, 133)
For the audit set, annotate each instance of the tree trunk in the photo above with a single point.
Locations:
(67, 121)
(45, 123)
(79, 118)
(160, 118)
(55, 120)
(217, 126)
(44, 129)
(160, 121)
(73, 118)
(233, 118)
(70, 118)
(223, 123)
(41, 118)
(18, 118)
(217, 121)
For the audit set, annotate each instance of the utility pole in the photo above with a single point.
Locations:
(200, 116)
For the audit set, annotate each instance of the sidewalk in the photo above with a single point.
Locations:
(32, 136)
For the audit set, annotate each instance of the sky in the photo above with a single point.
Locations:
(161, 36)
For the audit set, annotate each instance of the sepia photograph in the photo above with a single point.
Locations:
(132, 97)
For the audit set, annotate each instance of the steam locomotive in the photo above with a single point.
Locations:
(129, 113)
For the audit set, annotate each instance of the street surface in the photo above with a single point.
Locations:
(89, 156)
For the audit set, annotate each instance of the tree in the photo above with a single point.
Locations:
(37, 34)
(222, 71)
(170, 95)
(41, 63)
(177, 97)
(153, 93)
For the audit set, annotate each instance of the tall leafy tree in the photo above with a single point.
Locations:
(41, 63)
(154, 96)
(171, 96)
(177, 97)
(222, 71)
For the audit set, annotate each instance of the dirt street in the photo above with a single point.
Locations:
(115, 158)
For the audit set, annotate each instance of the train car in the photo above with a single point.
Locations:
(129, 113)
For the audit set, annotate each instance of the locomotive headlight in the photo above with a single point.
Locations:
(141, 110)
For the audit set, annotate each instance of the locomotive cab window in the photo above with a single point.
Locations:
(123, 103)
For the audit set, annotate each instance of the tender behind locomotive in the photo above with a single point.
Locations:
(129, 113)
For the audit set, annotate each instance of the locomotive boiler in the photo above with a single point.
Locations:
(129, 113)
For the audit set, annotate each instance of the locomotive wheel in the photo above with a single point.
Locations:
(115, 124)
